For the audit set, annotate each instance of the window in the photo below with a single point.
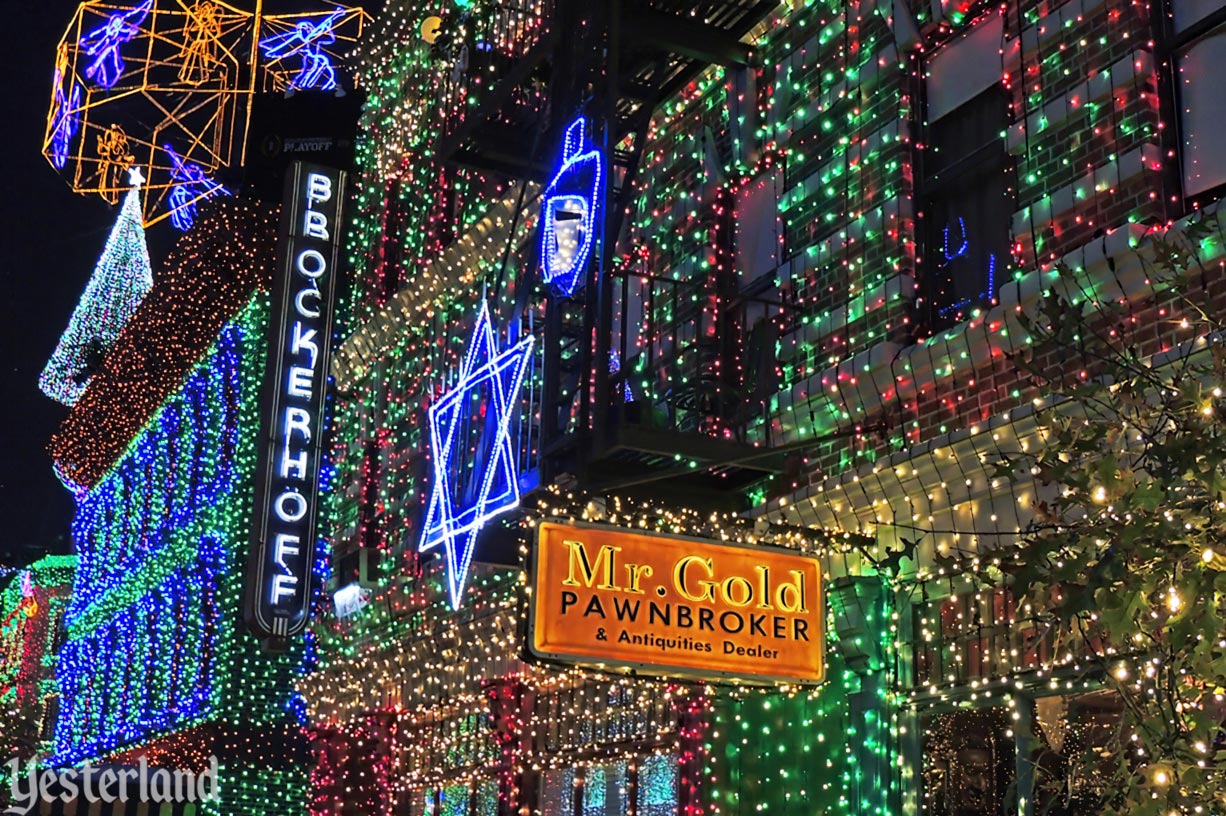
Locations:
(390, 260)
(1202, 118)
(967, 176)
(971, 756)
(1192, 14)
(605, 788)
(1066, 729)
(558, 792)
(969, 767)
(757, 227)
(657, 786)
(479, 799)
(51, 714)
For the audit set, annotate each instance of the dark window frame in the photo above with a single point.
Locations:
(1169, 46)
(950, 297)
(980, 183)
(632, 781)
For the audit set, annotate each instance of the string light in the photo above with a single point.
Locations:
(32, 604)
(823, 156)
(121, 280)
(467, 720)
(207, 277)
(162, 451)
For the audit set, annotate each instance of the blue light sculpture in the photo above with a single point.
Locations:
(307, 40)
(572, 203)
(103, 44)
(191, 185)
(65, 120)
(960, 252)
(450, 521)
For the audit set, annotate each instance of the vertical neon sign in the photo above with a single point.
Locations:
(282, 557)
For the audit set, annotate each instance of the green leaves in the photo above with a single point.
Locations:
(1127, 556)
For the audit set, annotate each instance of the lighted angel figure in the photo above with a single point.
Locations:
(201, 32)
(191, 185)
(307, 41)
(104, 42)
(66, 112)
(114, 158)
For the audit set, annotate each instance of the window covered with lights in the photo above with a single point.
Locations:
(642, 787)
(969, 767)
(1199, 43)
(477, 799)
(966, 184)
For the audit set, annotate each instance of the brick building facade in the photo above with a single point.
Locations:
(821, 233)
(32, 606)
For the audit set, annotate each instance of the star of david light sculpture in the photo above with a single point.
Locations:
(468, 493)
(572, 203)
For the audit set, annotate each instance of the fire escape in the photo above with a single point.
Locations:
(532, 68)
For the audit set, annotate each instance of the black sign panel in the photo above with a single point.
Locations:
(280, 565)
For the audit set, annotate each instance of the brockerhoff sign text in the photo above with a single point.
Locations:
(300, 331)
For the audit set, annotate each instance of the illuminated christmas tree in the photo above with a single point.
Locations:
(120, 282)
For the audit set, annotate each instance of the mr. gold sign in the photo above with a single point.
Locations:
(667, 605)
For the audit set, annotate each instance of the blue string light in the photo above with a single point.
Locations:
(569, 212)
(145, 622)
(990, 284)
(103, 44)
(450, 521)
(945, 243)
(307, 40)
(66, 120)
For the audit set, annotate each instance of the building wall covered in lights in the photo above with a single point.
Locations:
(32, 606)
(821, 222)
(160, 451)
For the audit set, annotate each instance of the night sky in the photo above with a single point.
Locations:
(50, 242)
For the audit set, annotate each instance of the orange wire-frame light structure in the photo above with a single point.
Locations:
(134, 78)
